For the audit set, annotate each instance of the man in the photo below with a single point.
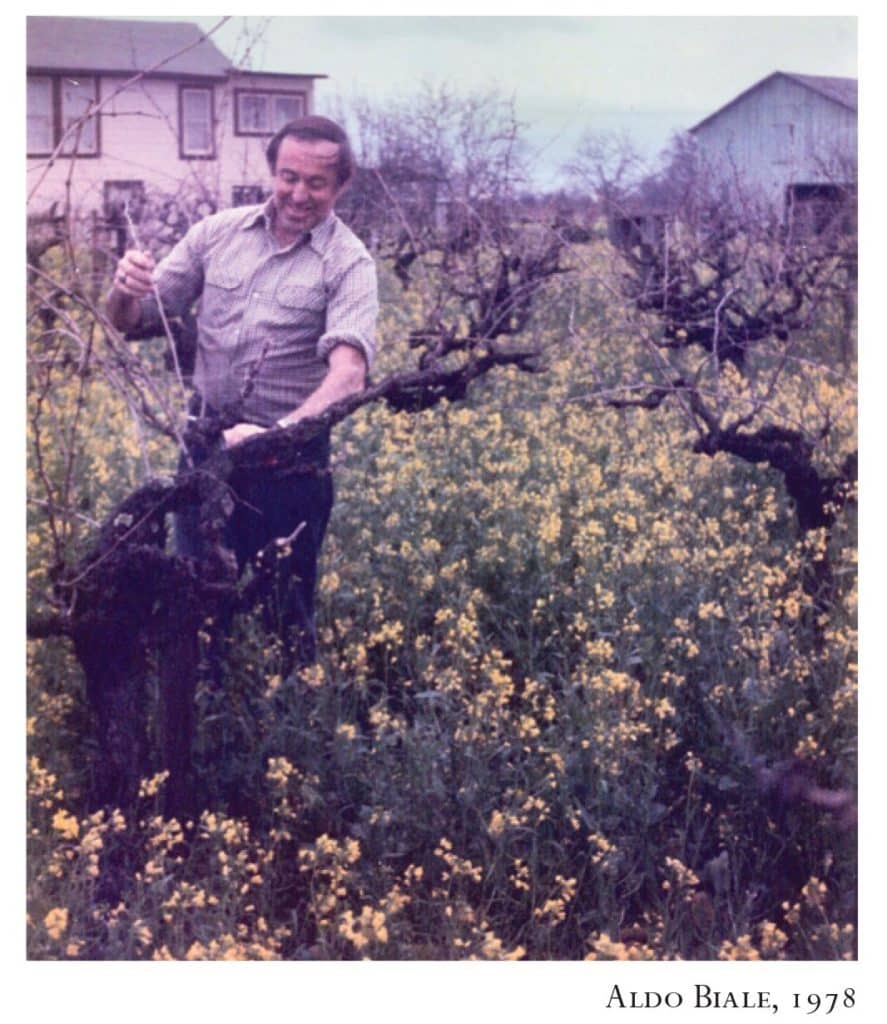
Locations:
(286, 319)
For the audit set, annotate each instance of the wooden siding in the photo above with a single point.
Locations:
(781, 134)
(140, 142)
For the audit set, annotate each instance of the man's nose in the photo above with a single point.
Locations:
(298, 191)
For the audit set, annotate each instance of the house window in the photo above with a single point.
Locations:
(196, 122)
(285, 108)
(252, 113)
(40, 121)
(248, 195)
(57, 109)
(77, 95)
(263, 113)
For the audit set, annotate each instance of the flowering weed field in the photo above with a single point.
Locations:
(571, 692)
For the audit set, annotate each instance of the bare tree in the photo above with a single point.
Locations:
(606, 166)
(438, 194)
(732, 304)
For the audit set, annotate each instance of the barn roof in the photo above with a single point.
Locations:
(112, 45)
(842, 91)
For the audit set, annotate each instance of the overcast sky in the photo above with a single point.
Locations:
(648, 76)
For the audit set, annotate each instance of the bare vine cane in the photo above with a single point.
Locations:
(169, 339)
(254, 370)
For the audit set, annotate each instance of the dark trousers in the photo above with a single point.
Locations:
(291, 509)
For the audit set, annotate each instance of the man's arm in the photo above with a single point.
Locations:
(348, 344)
(346, 375)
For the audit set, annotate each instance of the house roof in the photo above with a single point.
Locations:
(842, 91)
(111, 45)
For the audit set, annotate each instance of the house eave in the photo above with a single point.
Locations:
(240, 73)
(99, 72)
(191, 76)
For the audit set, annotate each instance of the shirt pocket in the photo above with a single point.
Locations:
(222, 302)
(300, 305)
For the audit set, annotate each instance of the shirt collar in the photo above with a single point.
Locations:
(259, 214)
(318, 237)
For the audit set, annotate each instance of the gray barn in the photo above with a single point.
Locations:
(787, 138)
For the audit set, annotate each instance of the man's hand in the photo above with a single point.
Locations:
(347, 375)
(240, 432)
(132, 282)
(133, 276)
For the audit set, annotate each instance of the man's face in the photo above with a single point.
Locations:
(305, 185)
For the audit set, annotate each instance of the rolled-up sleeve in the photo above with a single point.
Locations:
(351, 311)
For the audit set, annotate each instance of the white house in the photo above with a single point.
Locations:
(788, 137)
(120, 109)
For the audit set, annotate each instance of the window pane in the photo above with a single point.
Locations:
(196, 121)
(40, 115)
(253, 112)
(196, 103)
(197, 137)
(247, 195)
(286, 108)
(77, 95)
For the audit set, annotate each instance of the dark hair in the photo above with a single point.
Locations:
(314, 129)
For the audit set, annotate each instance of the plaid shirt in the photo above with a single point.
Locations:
(268, 316)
